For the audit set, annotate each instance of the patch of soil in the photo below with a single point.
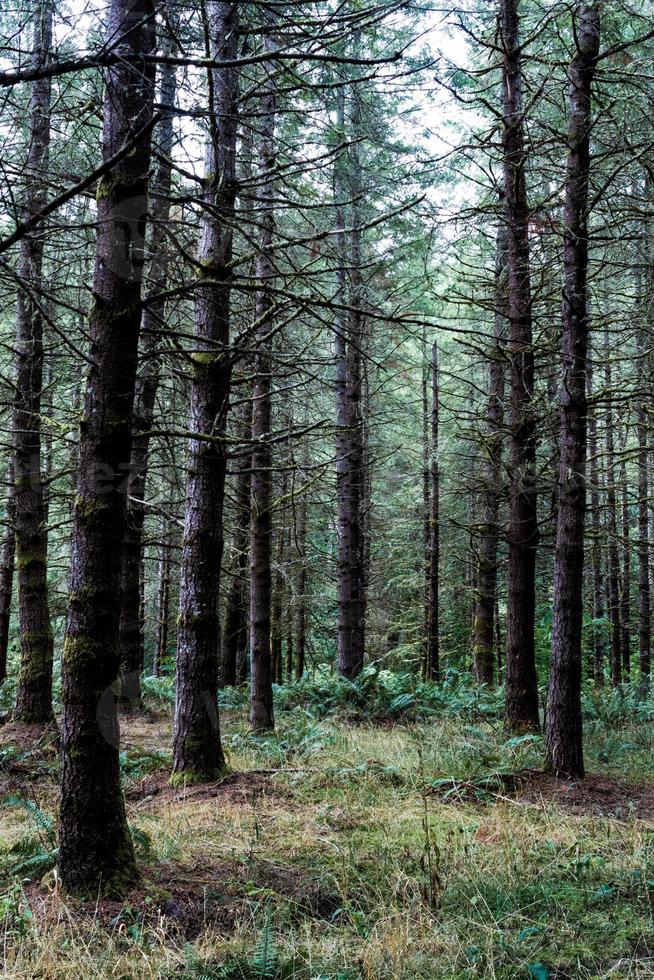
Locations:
(306, 891)
(593, 795)
(238, 787)
(147, 731)
(178, 901)
(28, 753)
(33, 739)
(187, 900)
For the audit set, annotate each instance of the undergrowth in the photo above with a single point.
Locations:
(378, 840)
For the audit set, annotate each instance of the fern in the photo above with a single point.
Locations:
(33, 855)
(264, 962)
(43, 822)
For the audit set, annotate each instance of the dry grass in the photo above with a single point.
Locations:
(340, 852)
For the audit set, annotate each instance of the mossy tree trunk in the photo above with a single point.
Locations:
(625, 591)
(599, 636)
(563, 727)
(433, 636)
(486, 595)
(521, 713)
(7, 561)
(197, 750)
(235, 632)
(644, 584)
(349, 432)
(613, 577)
(34, 695)
(131, 621)
(261, 700)
(96, 853)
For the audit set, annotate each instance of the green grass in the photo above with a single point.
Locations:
(341, 861)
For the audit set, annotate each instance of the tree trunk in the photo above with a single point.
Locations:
(235, 632)
(349, 436)
(301, 590)
(426, 500)
(34, 695)
(625, 592)
(163, 602)
(599, 636)
(499, 646)
(96, 852)
(360, 484)
(7, 553)
(521, 682)
(277, 606)
(644, 599)
(563, 728)
(131, 625)
(197, 750)
(261, 704)
(483, 640)
(433, 637)
(613, 591)
(289, 652)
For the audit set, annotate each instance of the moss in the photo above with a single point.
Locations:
(119, 882)
(85, 594)
(35, 640)
(210, 269)
(28, 559)
(205, 358)
(113, 187)
(193, 777)
(80, 650)
(88, 509)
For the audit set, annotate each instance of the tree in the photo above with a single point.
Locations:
(348, 339)
(261, 699)
(34, 695)
(433, 638)
(197, 750)
(563, 729)
(7, 561)
(644, 591)
(95, 847)
(521, 683)
(153, 319)
(484, 639)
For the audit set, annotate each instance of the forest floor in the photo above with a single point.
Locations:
(340, 850)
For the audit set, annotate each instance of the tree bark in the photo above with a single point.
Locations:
(483, 639)
(96, 852)
(426, 500)
(235, 632)
(644, 595)
(520, 676)
(349, 447)
(613, 589)
(433, 638)
(34, 694)
(277, 603)
(163, 602)
(197, 750)
(599, 636)
(7, 561)
(302, 584)
(262, 716)
(625, 584)
(356, 390)
(131, 620)
(563, 728)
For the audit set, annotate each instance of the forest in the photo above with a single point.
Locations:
(326, 489)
